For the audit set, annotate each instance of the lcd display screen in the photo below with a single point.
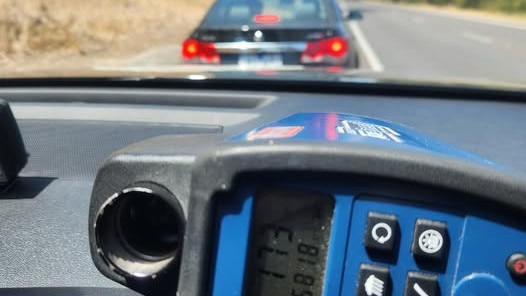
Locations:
(289, 243)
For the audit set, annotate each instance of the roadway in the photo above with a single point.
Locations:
(430, 44)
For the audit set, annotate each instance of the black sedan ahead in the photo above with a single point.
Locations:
(256, 34)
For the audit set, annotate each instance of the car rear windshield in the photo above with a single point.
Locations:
(279, 13)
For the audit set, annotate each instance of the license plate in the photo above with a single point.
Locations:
(260, 60)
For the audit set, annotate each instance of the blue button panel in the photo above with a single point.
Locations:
(405, 262)
(476, 249)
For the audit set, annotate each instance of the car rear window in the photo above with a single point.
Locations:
(234, 13)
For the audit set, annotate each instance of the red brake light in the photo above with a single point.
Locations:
(190, 49)
(202, 51)
(267, 18)
(337, 46)
(317, 51)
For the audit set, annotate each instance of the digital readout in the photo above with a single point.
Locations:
(289, 240)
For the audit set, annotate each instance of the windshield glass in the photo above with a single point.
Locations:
(272, 13)
(435, 41)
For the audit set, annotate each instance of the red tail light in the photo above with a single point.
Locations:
(337, 46)
(194, 50)
(267, 18)
(322, 50)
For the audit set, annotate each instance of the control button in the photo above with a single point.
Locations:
(421, 284)
(381, 232)
(516, 265)
(374, 280)
(430, 240)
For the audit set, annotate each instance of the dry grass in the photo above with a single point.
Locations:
(33, 31)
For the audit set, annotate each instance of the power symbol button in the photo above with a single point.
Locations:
(516, 265)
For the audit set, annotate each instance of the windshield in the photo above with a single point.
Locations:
(434, 41)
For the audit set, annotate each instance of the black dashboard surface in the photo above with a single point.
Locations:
(44, 239)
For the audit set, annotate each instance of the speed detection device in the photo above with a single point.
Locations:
(313, 204)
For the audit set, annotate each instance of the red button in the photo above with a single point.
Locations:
(516, 265)
(520, 266)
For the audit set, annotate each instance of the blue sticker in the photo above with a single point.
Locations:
(345, 128)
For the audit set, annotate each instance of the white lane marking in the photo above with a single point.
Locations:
(371, 57)
(456, 16)
(477, 37)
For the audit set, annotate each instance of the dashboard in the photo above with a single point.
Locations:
(209, 202)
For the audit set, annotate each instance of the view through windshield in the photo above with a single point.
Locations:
(447, 41)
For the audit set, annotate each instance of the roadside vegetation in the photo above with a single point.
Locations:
(504, 6)
(35, 31)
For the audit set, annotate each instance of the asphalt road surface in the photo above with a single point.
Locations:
(416, 43)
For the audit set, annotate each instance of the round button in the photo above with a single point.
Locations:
(430, 241)
(516, 265)
(480, 284)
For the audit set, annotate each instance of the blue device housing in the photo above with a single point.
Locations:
(480, 241)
